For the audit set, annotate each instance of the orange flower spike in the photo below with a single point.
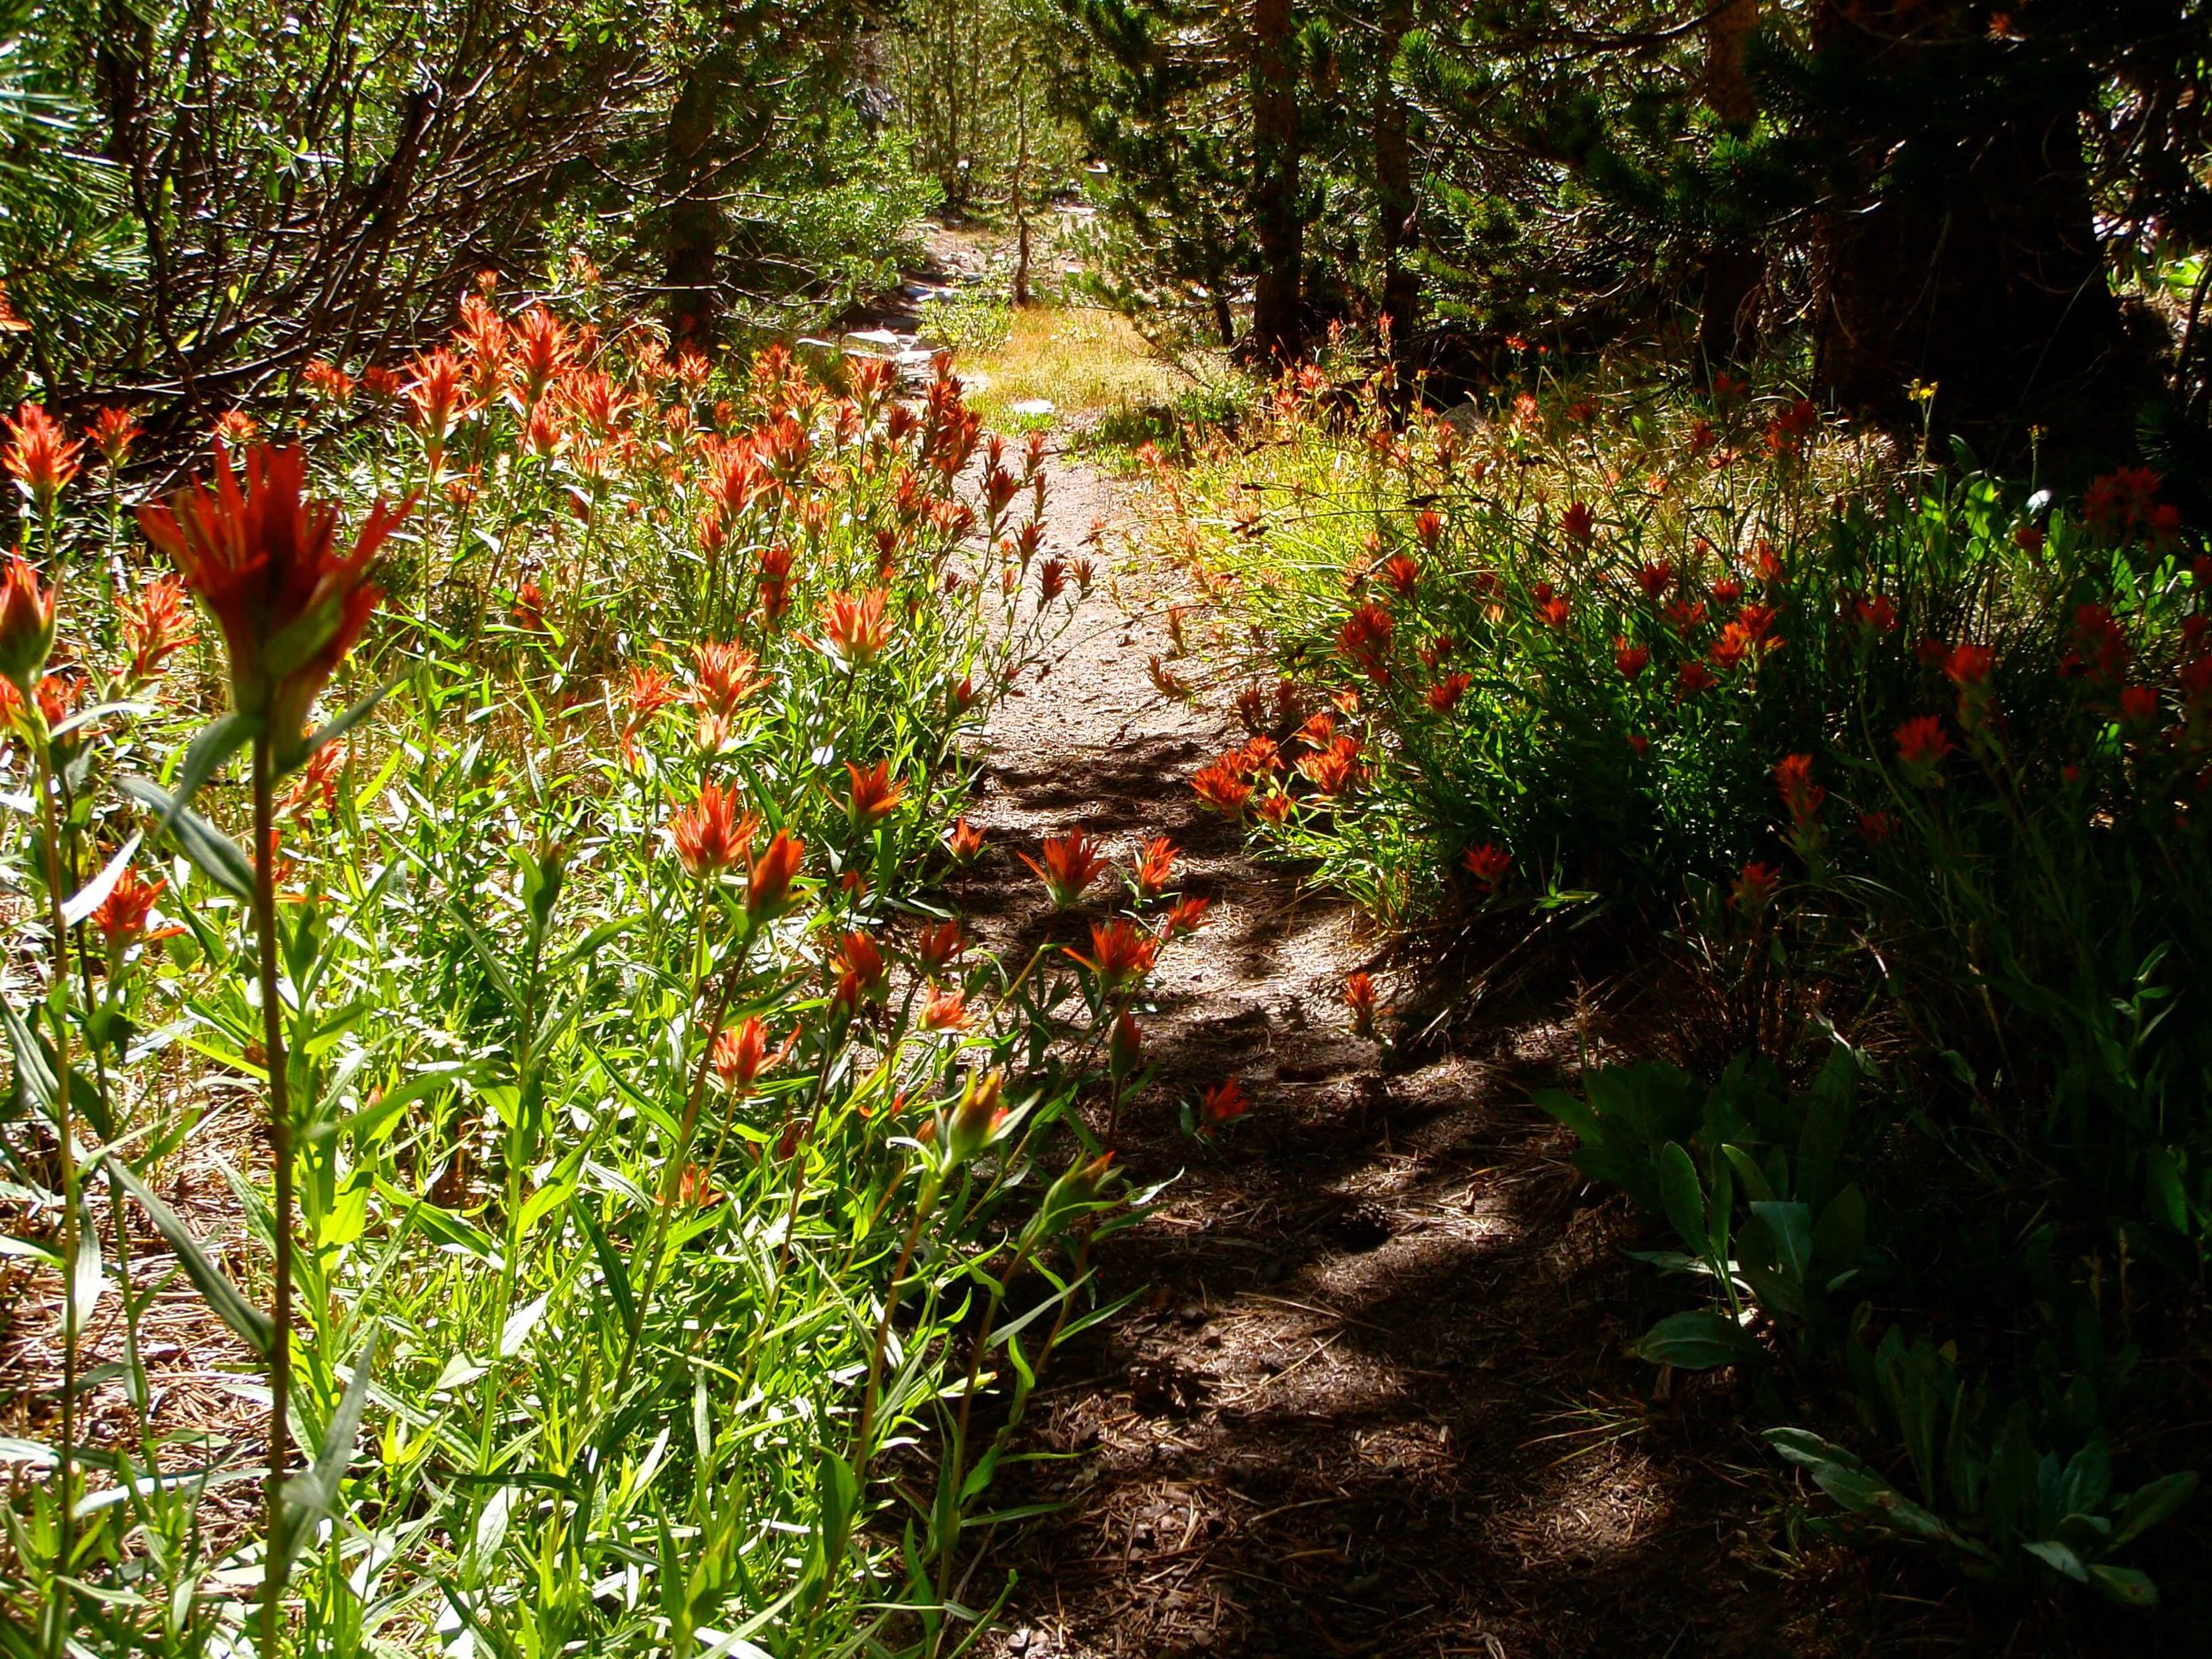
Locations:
(114, 430)
(155, 626)
(1755, 889)
(1444, 695)
(1922, 744)
(964, 841)
(1073, 862)
(938, 947)
(768, 877)
(1184, 916)
(724, 677)
(122, 915)
(710, 834)
(1793, 777)
(1155, 868)
(264, 560)
(1121, 955)
(1222, 787)
(1488, 863)
(947, 1010)
(860, 969)
(27, 624)
(1225, 1102)
(858, 629)
(873, 795)
(434, 398)
(1363, 1001)
(1629, 660)
(740, 1054)
(38, 457)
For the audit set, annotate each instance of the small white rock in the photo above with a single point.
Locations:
(1030, 407)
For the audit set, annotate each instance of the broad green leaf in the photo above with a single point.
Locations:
(1696, 1340)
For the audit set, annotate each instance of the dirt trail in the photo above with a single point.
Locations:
(1359, 1408)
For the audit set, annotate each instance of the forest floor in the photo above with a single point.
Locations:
(1371, 1399)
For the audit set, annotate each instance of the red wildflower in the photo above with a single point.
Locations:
(434, 397)
(1578, 522)
(265, 562)
(2138, 706)
(1155, 867)
(1874, 615)
(1553, 610)
(650, 691)
(1365, 640)
(856, 630)
(1429, 527)
(1692, 678)
(2100, 646)
(1073, 862)
(1224, 1102)
(1630, 659)
(1656, 579)
(122, 915)
(947, 1011)
(1125, 1048)
(27, 624)
(860, 969)
(722, 678)
(1221, 786)
(113, 432)
(1921, 744)
(768, 878)
(2121, 503)
(1121, 954)
(1488, 863)
(1876, 828)
(964, 841)
(1793, 777)
(710, 834)
(37, 457)
(937, 946)
(155, 626)
(775, 583)
(1334, 770)
(1364, 1003)
(1684, 615)
(1444, 695)
(1184, 916)
(740, 1053)
(1755, 888)
(1402, 574)
(873, 795)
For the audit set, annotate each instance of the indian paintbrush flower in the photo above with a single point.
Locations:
(1072, 863)
(712, 835)
(26, 626)
(38, 456)
(265, 562)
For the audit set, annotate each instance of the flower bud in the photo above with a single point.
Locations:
(26, 626)
(977, 1118)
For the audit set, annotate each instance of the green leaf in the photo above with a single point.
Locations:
(2152, 1503)
(1696, 1340)
(212, 853)
(228, 1302)
(1685, 1197)
(216, 743)
(2058, 1557)
(308, 1497)
(610, 1266)
(520, 1324)
(2125, 1585)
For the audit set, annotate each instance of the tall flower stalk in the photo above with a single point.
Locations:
(263, 562)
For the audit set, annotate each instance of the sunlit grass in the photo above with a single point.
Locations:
(1085, 361)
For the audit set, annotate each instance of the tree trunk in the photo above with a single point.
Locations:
(1393, 178)
(695, 222)
(1978, 270)
(1727, 329)
(1275, 297)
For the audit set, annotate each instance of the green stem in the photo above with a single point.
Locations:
(281, 1143)
(64, 1131)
